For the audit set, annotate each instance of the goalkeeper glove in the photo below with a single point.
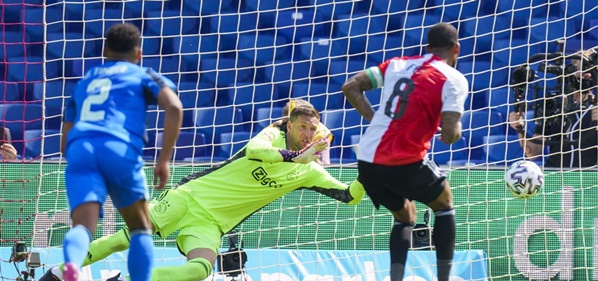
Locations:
(305, 155)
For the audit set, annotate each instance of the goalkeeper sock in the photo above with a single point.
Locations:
(101, 248)
(76, 243)
(193, 270)
(141, 255)
(444, 241)
(400, 241)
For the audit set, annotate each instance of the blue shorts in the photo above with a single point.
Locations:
(101, 166)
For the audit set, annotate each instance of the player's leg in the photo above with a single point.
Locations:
(86, 191)
(199, 240)
(127, 187)
(378, 182)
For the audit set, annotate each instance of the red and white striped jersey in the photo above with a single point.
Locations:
(416, 91)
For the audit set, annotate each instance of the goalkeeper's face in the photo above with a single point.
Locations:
(301, 132)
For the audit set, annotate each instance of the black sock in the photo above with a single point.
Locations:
(400, 242)
(444, 241)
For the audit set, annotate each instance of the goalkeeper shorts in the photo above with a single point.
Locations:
(174, 210)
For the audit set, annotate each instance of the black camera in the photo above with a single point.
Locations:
(232, 262)
(421, 238)
(552, 105)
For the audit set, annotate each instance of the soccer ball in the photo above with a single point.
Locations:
(524, 179)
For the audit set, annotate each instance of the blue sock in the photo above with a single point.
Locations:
(76, 244)
(141, 255)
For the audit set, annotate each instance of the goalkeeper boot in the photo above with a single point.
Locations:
(49, 276)
(71, 272)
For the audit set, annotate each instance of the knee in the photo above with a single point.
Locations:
(407, 214)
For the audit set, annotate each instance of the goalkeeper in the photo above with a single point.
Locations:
(207, 204)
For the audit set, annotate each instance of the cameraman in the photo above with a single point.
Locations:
(576, 144)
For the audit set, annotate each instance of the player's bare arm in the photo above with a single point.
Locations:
(353, 90)
(173, 119)
(451, 127)
(532, 147)
(66, 127)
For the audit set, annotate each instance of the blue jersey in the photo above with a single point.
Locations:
(112, 99)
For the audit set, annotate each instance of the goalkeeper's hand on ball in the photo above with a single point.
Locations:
(307, 154)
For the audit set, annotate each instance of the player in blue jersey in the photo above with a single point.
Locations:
(103, 138)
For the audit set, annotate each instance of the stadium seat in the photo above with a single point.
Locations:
(501, 149)
(33, 143)
(513, 51)
(204, 45)
(451, 10)
(341, 70)
(213, 121)
(266, 116)
(443, 153)
(485, 30)
(32, 17)
(297, 24)
(13, 43)
(170, 23)
(331, 9)
(481, 75)
(163, 64)
(189, 144)
(549, 29)
(357, 27)
(343, 124)
(20, 117)
(249, 97)
(261, 47)
(477, 125)
(55, 99)
(157, 45)
(9, 92)
(386, 46)
(392, 7)
(29, 69)
(231, 143)
(97, 21)
(417, 25)
(206, 8)
(70, 45)
(224, 72)
(230, 25)
(322, 96)
(193, 94)
(500, 100)
(81, 66)
(285, 73)
(320, 51)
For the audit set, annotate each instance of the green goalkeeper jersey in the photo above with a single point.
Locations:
(256, 176)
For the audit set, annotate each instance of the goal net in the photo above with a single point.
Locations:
(237, 63)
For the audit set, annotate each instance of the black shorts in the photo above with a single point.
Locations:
(389, 186)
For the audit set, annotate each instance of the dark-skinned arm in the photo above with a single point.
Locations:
(353, 90)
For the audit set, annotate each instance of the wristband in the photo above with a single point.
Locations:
(288, 155)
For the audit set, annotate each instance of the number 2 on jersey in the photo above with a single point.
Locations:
(103, 85)
(407, 87)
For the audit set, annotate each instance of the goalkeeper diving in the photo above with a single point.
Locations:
(207, 204)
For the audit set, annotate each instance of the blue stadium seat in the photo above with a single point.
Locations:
(485, 30)
(477, 125)
(70, 45)
(579, 12)
(9, 92)
(357, 27)
(163, 64)
(189, 144)
(193, 94)
(323, 48)
(14, 44)
(170, 23)
(55, 99)
(81, 66)
(224, 72)
(543, 29)
(340, 71)
(11, 13)
(417, 25)
(20, 117)
(331, 9)
(383, 47)
(593, 30)
(481, 75)
(443, 153)
(231, 143)
(297, 24)
(450, 10)
(32, 17)
(229, 25)
(266, 116)
(322, 96)
(266, 6)
(97, 21)
(155, 45)
(249, 97)
(343, 124)
(29, 69)
(501, 149)
(500, 100)
(204, 45)
(206, 8)
(262, 48)
(513, 51)
(217, 120)
(392, 7)
(33, 143)
(285, 73)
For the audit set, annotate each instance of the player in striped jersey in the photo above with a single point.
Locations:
(420, 93)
